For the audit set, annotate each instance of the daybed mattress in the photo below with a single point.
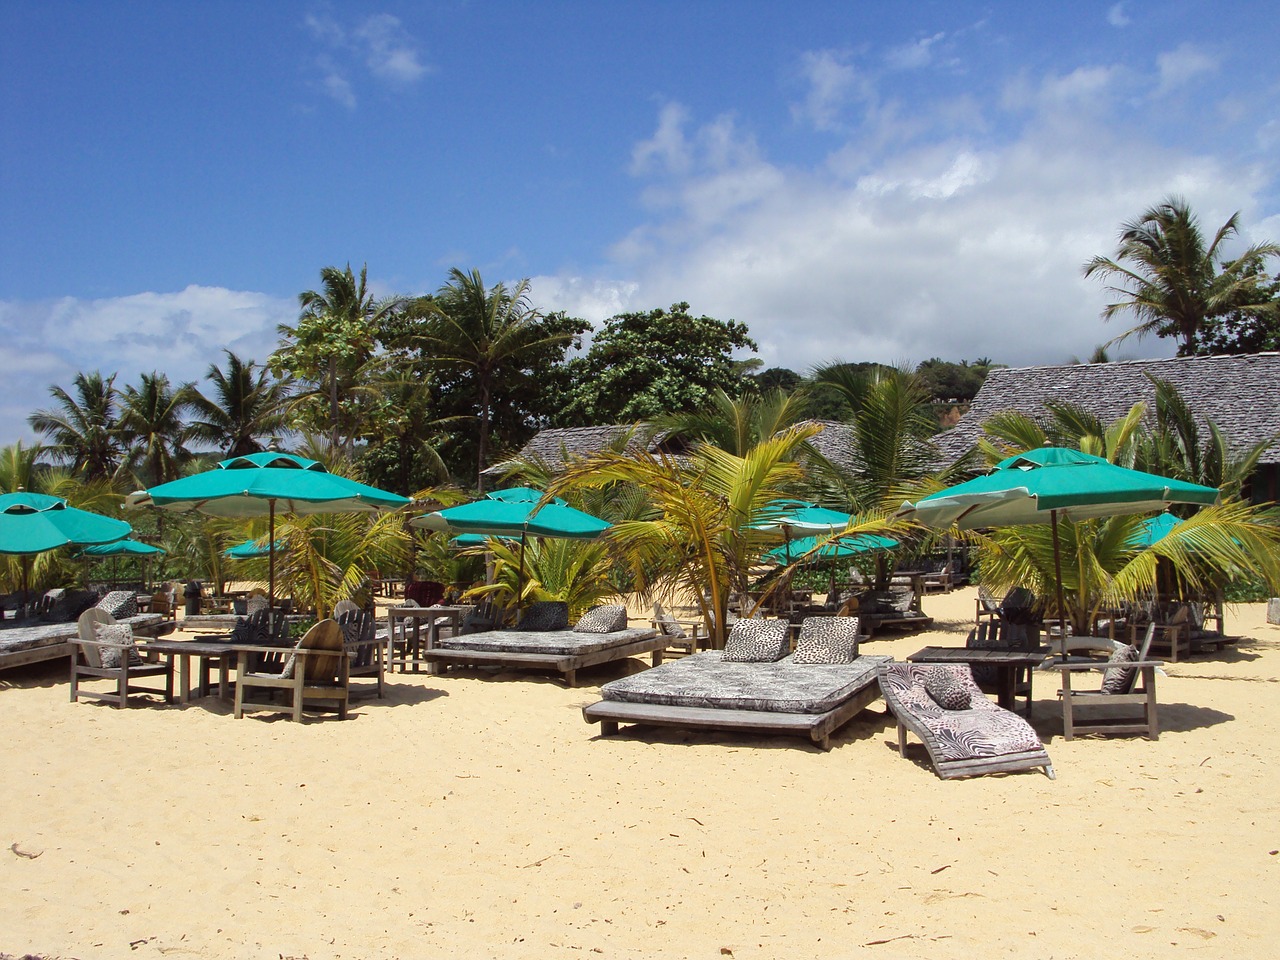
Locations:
(31, 636)
(704, 680)
(551, 642)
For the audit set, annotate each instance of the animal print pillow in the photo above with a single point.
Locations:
(606, 618)
(546, 615)
(756, 641)
(120, 604)
(827, 640)
(946, 689)
(1120, 679)
(120, 633)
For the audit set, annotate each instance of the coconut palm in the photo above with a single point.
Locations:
(1171, 282)
(482, 331)
(577, 572)
(736, 425)
(154, 430)
(247, 407)
(84, 429)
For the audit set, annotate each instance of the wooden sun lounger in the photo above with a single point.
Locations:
(55, 641)
(636, 643)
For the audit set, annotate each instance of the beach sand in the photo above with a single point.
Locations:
(478, 815)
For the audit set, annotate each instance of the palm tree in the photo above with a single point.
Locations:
(482, 331)
(1173, 283)
(249, 405)
(85, 428)
(335, 336)
(737, 425)
(153, 428)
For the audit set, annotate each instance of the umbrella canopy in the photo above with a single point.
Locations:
(121, 548)
(1049, 483)
(833, 549)
(796, 516)
(33, 523)
(252, 550)
(260, 484)
(1153, 530)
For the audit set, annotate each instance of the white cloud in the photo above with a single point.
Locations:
(912, 56)
(1117, 16)
(1180, 66)
(833, 84)
(178, 333)
(378, 44)
(389, 51)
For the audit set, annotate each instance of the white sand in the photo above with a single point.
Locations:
(473, 815)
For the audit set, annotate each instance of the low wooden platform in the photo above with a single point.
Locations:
(568, 664)
(818, 727)
(59, 639)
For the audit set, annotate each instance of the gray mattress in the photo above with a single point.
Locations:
(551, 642)
(704, 680)
(15, 637)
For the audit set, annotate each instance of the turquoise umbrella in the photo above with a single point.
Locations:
(252, 550)
(32, 523)
(260, 484)
(1153, 530)
(121, 548)
(836, 548)
(1048, 484)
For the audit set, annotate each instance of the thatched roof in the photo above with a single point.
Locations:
(1241, 394)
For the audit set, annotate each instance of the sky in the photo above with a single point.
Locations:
(852, 180)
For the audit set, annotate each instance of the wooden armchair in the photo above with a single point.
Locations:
(118, 660)
(1172, 631)
(359, 631)
(1132, 685)
(319, 669)
(684, 634)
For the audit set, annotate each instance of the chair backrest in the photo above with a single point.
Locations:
(325, 635)
(666, 625)
(344, 606)
(87, 627)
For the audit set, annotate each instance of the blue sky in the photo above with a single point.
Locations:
(855, 181)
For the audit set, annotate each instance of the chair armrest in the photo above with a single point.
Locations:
(1106, 665)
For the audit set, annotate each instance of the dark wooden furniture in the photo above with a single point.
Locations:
(318, 670)
(1008, 663)
(1140, 692)
(623, 644)
(405, 646)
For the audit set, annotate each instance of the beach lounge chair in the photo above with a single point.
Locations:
(963, 732)
(105, 651)
(317, 670)
(1129, 680)
(785, 696)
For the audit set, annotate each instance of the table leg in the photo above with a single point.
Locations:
(1008, 675)
(184, 678)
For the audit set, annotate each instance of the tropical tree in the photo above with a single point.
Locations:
(573, 571)
(485, 335)
(153, 428)
(736, 425)
(335, 337)
(248, 406)
(84, 428)
(1174, 284)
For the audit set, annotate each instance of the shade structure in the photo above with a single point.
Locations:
(797, 516)
(252, 550)
(121, 548)
(521, 516)
(833, 549)
(1048, 484)
(262, 484)
(32, 523)
(1153, 530)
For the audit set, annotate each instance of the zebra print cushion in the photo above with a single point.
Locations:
(827, 640)
(945, 685)
(756, 641)
(606, 618)
(1116, 680)
(546, 615)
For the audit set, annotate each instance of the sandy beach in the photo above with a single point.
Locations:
(478, 815)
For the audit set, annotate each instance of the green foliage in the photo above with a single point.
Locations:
(154, 430)
(247, 407)
(644, 365)
(84, 426)
(575, 571)
(947, 381)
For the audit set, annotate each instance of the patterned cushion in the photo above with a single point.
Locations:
(945, 685)
(546, 615)
(116, 633)
(1120, 679)
(120, 604)
(756, 641)
(605, 618)
(827, 640)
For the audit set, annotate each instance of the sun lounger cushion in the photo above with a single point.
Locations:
(561, 642)
(946, 687)
(1117, 680)
(984, 730)
(756, 641)
(116, 633)
(827, 640)
(606, 618)
(545, 615)
(119, 603)
(708, 680)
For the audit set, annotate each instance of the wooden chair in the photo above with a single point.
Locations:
(988, 607)
(89, 649)
(359, 631)
(684, 634)
(319, 669)
(1138, 691)
(1172, 632)
(939, 580)
(997, 635)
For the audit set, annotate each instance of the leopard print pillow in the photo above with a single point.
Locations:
(827, 640)
(756, 641)
(606, 618)
(546, 615)
(116, 633)
(946, 689)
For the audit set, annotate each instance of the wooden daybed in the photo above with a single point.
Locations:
(565, 651)
(27, 642)
(703, 692)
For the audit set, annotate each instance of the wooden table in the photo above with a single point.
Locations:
(207, 653)
(1007, 663)
(409, 633)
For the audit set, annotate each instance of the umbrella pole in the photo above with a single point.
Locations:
(520, 575)
(271, 554)
(1057, 569)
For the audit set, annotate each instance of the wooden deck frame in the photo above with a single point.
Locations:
(568, 664)
(818, 727)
